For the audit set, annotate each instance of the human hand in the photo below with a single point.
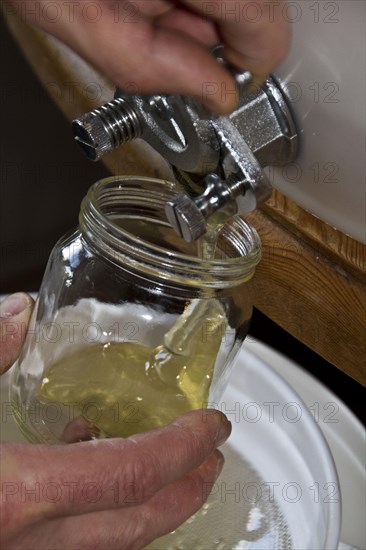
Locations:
(163, 46)
(111, 493)
(15, 312)
(107, 494)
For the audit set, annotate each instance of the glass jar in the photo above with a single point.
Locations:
(133, 326)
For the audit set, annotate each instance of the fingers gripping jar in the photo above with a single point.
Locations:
(133, 326)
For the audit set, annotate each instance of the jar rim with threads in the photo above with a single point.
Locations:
(107, 200)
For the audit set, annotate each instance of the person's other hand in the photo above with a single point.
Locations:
(109, 494)
(162, 46)
(15, 312)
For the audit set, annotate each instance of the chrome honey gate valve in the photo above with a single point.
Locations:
(218, 160)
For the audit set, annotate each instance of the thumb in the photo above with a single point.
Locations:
(15, 312)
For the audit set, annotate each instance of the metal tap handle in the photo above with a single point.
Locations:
(197, 143)
(188, 216)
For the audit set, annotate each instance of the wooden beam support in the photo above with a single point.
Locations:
(311, 296)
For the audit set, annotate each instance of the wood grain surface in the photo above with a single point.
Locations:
(311, 295)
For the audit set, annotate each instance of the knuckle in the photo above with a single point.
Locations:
(141, 479)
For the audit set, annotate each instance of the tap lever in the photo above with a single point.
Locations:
(188, 215)
(200, 145)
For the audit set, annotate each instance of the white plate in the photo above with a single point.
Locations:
(344, 433)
